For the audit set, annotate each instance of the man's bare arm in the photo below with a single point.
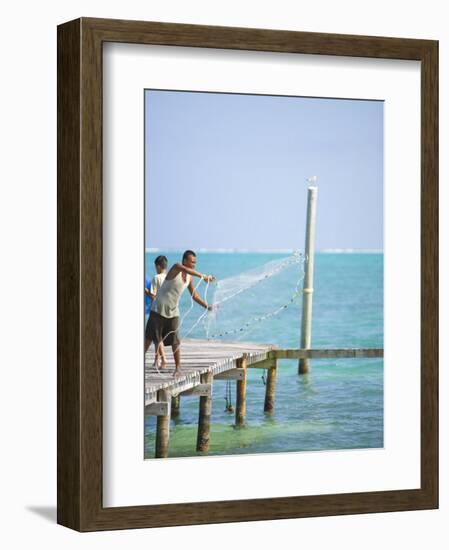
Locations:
(196, 298)
(185, 269)
(150, 294)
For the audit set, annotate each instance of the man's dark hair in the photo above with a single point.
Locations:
(161, 261)
(188, 253)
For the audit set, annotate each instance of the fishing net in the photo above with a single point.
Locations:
(243, 301)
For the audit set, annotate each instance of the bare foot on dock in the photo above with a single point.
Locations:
(177, 373)
(160, 364)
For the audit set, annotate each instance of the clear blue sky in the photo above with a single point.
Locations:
(229, 171)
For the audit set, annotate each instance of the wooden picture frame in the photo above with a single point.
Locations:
(80, 418)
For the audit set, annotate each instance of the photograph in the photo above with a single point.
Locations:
(264, 238)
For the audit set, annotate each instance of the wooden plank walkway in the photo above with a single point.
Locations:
(199, 357)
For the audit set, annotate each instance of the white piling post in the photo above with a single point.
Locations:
(306, 324)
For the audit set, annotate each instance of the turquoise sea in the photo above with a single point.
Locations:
(339, 405)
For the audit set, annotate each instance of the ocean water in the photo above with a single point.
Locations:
(338, 405)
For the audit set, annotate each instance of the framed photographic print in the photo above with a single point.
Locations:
(247, 274)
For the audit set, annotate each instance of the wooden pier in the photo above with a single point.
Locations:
(202, 362)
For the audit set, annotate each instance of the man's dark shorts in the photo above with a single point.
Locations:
(162, 329)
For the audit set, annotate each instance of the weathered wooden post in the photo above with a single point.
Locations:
(240, 406)
(270, 388)
(175, 405)
(306, 324)
(205, 412)
(163, 426)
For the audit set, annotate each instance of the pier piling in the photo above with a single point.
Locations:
(163, 427)
(205, 411)
(240, 408)
(175, 405)
(270, 388)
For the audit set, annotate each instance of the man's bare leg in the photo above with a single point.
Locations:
(147, 344)
(160, 354)
(177, 355)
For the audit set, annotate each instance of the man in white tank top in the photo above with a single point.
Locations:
(163, 323)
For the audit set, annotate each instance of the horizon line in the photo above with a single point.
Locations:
(268, 250)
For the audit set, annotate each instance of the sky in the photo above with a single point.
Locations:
(229, 171)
